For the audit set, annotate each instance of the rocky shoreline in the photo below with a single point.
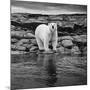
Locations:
(72, 35)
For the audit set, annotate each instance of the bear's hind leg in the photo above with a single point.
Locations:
(40, 44)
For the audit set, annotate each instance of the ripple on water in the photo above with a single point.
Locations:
(47, 70)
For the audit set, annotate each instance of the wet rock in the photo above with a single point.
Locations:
(18, 52)
(67, 43)
(61, 49)
(75, 50)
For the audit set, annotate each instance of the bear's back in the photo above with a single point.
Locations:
(42, 29)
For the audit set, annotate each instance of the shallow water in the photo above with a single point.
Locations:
(47, 70)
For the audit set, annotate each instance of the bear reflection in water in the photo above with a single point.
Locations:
(49, 65)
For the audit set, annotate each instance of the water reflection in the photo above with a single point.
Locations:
(49, 64)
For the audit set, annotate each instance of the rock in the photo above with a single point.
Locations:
(84, 38)
(60, 49)
(13, 27)
(29, 35)
(65, 38)
(67, 43)
(22, 34)
(17, 34)
(14, 40)
(23, 41)
(13, 47)
(27, 45)
(85, 50)
(18, 52)
(33, 48)
(80, 38)
(75, 50)
(21, 48)
(33, 41)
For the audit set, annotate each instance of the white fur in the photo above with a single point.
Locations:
(44, 34)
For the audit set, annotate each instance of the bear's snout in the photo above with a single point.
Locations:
(52, 27)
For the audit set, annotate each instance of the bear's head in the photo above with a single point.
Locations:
(52, 26)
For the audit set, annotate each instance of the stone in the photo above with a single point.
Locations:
(75, 50)
(13, 47)
(23, 41)
(21, 48)
(33, 48)
(65, 38)
(67, 43)
(17, 34)
(29, 35)
(60, 49)
(80, 38)
(33, 41)
(14, 40)
(18, 52)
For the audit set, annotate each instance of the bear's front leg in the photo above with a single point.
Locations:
(46, 45)
(54, 44)
(54, 41)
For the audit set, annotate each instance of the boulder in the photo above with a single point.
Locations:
(33, 48)
(22, 34)
(67, 43)
(14, 40)
(60, 49)
(65, 38)
(80, 38)
(21, 48)
(75, 50)
(13, 27)
(13, 47)
(17, 34)
(33, 41)
(23, 41)
(29, 35)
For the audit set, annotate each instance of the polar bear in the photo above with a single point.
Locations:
(44, 34)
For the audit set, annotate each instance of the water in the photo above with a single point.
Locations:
(47, 70)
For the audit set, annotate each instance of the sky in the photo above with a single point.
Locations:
(20, 6)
